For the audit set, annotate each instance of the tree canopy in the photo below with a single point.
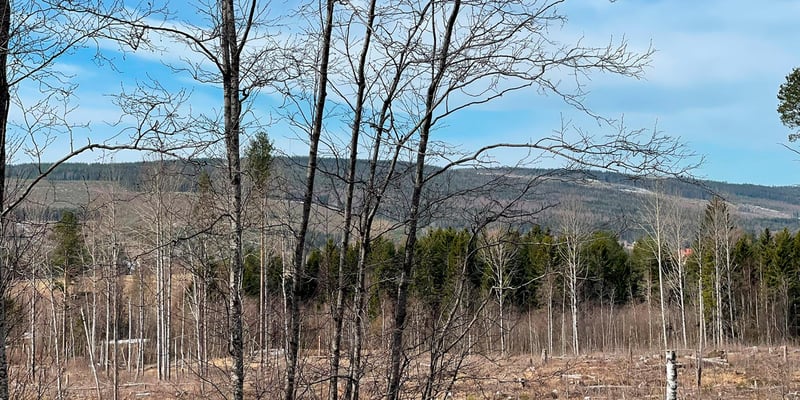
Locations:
(69, 255)
(789, 102)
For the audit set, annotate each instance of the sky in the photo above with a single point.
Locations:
(713, 79)
(712, 82)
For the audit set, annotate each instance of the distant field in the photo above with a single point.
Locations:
(66, 194)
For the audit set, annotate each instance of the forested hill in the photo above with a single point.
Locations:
(757, 207)
(705, 189)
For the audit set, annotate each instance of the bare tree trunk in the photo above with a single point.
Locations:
(262, 282)
(140, 349)
(354, 372)
(106, 357)
(564, 318)
(293, 316)
(681, 224)
(728, 268)
(92, 334)
(574, 232)
(231, 52)
(199, 316)
(649, 307)
(159, 273)
(550, 293)
(717, 295)
(183, 334)
(702, 312)
(701, 333)
(5, 103)
(672, 376)
(655, 225)
(573, 303)
(338, 314)
(115, 318)
(683, 304)
(58, 356)
(437, 73)
(129, 362)
(168, 312)
(32, 328)
(763, 289)
(372, 204)
(65, 320)
(498, 253)
(503, 345)
(90, 348)
(662, 296)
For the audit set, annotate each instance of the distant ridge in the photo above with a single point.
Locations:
(757, 206)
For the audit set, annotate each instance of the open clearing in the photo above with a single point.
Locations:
(741, 373)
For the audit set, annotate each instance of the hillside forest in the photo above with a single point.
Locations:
(390, 258)
(141, 264)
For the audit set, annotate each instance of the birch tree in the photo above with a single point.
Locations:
(679, 230)
(360, 81)
(499, 252)
(574, 232)
(718, 230)
(655, 223)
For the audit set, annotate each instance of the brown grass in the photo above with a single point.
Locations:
(753, 373)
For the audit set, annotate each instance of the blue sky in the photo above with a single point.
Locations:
(712, 82)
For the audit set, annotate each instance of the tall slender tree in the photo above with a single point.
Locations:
(293, 287)
(574, 235)
(655, 224)
(236, 51)
(350, 181)
(259, 168)
(500, 253)
(718, 229)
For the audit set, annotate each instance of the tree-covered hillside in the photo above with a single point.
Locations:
(606, 193)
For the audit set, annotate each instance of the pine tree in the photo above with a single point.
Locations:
(70, 254)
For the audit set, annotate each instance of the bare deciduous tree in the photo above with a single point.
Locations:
(574, 232)
(655, 223)
(499, 250)
(319, 68)
(681, 227)
(34, 35)
(230, 48)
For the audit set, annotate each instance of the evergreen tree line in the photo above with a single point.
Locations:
(758, 274)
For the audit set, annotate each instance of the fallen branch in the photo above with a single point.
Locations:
(712, 360)
(577, 376)
(608, 387)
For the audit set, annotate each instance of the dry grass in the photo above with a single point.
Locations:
(752, 373)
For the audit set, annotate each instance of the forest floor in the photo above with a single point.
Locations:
(744, 373)
(741, 373)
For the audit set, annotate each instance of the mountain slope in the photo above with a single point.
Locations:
(605, 194)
